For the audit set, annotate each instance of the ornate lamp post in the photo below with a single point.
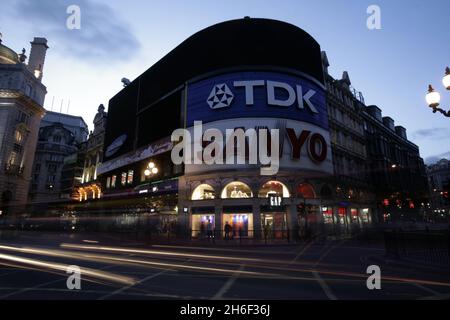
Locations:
(151, 169)
(433, 97)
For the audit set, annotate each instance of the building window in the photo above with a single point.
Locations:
(18, 136)
(12, 158)
(113, 181)
(273, 188)
(327, 213)
(108, 182)
(203, 192)
(354, 214)
(130, 176)
(57, 139)
(305, 190)
(123, 179)
(22, 117)
(37, 167)
(236, 189)
(365, 215)
(55, 157)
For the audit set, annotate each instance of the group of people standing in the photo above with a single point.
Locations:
(207, 228)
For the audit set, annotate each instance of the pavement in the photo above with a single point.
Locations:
(34, 266)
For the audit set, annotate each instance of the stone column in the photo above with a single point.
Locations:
(218, 210)
(256, 210)
(292, 220)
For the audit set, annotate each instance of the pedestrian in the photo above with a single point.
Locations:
(209, 230)
(228, 230)
(202, 230)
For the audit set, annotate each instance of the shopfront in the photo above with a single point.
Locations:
(241, 224)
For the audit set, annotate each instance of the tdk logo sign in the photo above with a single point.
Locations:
(220, 97)
(279, 94)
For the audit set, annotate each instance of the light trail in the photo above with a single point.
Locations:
(154, 252)
(40, 264)
(261, 264)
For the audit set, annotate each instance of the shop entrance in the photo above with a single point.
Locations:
(274, 225)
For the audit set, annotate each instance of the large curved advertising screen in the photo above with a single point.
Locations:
(256, 95)
(293, 104)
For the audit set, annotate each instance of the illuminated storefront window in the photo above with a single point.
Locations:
(365, 215)
(354, 214)
(130, 176)
(123, 179)
(201, 223)
(342, 214)
(237, 190)
(327, 213)
(305, 190)
(203, 192)
(273, 188)
(241, 224)
(113, 181)
(108, 182)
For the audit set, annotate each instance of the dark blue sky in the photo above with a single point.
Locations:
(391, 66)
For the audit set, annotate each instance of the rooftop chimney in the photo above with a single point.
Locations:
(389, 122)
(375, 112)
(325, 62)
(401, 131)
(37, 57)
(346, 80)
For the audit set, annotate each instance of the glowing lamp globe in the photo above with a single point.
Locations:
(433, 97)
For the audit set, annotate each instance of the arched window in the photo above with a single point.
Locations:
(274, 188)
(203, 192)
(236, 189)
(305, 190)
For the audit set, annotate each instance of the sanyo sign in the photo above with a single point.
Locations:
(279, 94)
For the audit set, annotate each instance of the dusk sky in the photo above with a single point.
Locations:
(391, 67)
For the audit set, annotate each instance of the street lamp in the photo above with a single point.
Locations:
(151, 169)
(433, 97)
(446, 78)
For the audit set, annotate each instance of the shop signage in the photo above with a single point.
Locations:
(257, 95)
(152, 150)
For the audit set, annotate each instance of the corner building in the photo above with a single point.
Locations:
(239, 74)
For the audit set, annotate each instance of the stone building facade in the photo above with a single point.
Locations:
(22, 95)
(60, 135)
(90, 187)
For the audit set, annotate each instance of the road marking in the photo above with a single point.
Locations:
(128, 287)
(228, 284)
(301, 252)
(156, 294)
(152, 276)
(29, 289)
(324, 286)
(42, 285)
(327, 252)
(319, 279)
